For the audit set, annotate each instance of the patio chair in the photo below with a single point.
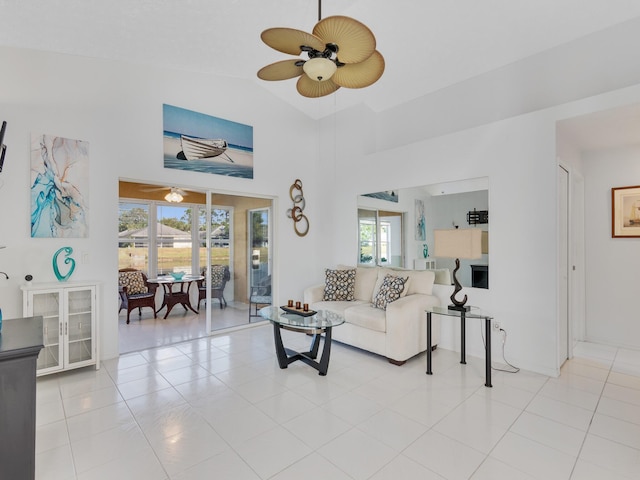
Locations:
(135, 291)
(220, 275)
(260, 296)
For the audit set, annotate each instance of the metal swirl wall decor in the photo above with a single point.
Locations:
(295, 213)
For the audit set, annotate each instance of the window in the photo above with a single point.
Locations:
(221, 226)
(380, 237)
(158, 238)
(258, 228)
(174, 239)
(133, 236)
(368, 237)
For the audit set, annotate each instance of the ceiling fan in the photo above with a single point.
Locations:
(341, 53)
(175, 195)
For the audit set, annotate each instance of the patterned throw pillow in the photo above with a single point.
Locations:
(133, 281)
(217, 275)
(390, 291)
(339, 285)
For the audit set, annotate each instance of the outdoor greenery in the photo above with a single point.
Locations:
(137, 218)
(170, 258)
(133, 219)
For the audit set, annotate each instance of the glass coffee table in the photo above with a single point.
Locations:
(317, 324)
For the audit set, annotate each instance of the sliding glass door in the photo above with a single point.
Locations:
(380, 237)
(221, 242)
(209, 228)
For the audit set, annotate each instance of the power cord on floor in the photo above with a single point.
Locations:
(504, 341)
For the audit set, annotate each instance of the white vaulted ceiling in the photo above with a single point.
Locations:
(427, 44)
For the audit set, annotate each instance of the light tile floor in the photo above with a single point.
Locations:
(220, 407)
(144, 331)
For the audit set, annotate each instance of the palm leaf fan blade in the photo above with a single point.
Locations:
(290, 40)
(355, 41)
(360, 75)
(314, 89)
(282, 70)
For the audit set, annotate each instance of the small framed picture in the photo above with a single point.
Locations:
(625, 212)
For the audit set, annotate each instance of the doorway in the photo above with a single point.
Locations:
(160, 237)
(571, 261)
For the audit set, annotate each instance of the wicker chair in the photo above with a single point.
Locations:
(220, 275)
(135, 291)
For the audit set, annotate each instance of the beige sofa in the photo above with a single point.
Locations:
(399, 332)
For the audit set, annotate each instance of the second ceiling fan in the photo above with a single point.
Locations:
(341, 53)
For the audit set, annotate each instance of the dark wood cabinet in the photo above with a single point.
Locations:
(20, 344)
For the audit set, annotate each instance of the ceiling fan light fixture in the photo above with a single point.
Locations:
(359, 64)
(173, 196)
(319, 69)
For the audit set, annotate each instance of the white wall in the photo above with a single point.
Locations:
(613, 264)
(117, 108)
(518, 155)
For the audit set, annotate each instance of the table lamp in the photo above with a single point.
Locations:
(458, 243)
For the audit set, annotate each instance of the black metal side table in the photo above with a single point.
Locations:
(462, 315)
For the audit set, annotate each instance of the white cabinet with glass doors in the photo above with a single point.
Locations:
(69, 318)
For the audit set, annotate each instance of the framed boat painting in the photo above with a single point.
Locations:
(625, 212)
(198, 142)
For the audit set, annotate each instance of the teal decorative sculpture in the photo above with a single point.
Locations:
(68, 260)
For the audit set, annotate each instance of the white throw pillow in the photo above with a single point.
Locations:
(420, 281)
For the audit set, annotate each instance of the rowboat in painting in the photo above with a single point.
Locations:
(198, 148)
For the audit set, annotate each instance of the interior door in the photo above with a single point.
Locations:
(577, 279)
(563, 265)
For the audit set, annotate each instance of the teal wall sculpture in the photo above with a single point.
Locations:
(68, 260)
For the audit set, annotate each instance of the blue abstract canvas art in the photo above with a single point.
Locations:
(59, 187)
(197, 142)
(421, 223)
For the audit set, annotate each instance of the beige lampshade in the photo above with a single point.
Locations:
(458, 243)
